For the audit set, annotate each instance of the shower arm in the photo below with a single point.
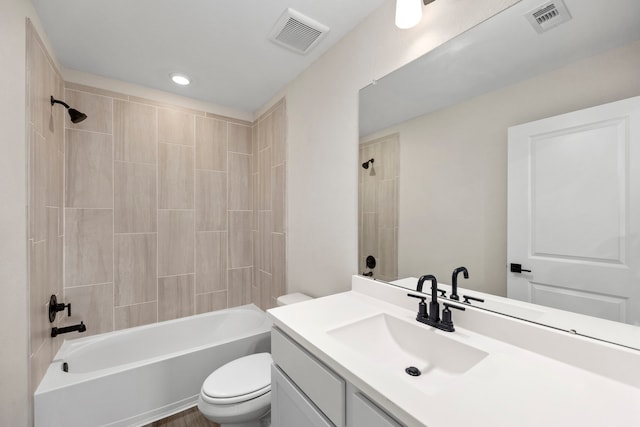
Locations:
(55, 101)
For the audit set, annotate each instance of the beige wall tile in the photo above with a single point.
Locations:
(240, 241)
(240, 182)
(92, 305)
(39, 320)
(88, 246)
(255, 199)
(39, 105)
(254, 149)
(37, 187)
(211, 144)
(211, 262)
(211, 200)
(239, 138)
(265, 227)
(61, 192)
(387, 203)
(53, 253)
(89, 170)
(176, 242)
(175, 127)
(266, 293)
(135, 201)
(278, 148)
(256, 291)
(279, 264)
(175, 297)
(211, 302)
(387, 259)
(135, 274)
(370, 235)
(256, 249)
(175, 177)
(264, 179)
(240, 286)
(98, 91)
(136, 315)
(278, 198)
(134, 132)
(265, 132)
(99, 111)
(54, 168)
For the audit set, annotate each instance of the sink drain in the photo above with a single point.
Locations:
(413, 371)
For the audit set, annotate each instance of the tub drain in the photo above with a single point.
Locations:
(413, 371)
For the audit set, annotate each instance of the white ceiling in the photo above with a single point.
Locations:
(501, 51)
(221, 44)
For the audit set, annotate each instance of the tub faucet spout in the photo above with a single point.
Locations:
(57, 331)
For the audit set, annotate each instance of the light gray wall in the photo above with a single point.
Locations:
(322, 136)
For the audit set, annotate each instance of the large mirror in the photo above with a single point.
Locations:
(434, 138)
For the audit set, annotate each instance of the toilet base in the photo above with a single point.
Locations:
(253, 413)
(262, 422)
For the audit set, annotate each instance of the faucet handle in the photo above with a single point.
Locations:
(447, 306)
(467, 298)
(422, 306)
(443, 292)
(447, 322)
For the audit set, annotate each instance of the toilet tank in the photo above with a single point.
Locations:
(293, 298)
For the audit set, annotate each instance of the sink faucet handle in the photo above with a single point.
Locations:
(447, 322)
(422, 306)
(443, 292)
(457, 307)
(467, 298)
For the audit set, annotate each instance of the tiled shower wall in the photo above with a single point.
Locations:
(45, 145)
(378, 207)
(167, 212)
(146, 211)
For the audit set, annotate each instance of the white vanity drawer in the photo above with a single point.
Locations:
(323, 387)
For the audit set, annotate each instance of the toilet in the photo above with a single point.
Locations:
(238, 394)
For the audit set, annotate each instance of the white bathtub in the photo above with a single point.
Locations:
(139, 375)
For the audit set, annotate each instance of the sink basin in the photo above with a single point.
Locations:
(396, 345)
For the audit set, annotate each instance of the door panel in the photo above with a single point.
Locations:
(573, 211)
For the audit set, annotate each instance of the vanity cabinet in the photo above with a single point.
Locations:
(362, 412)
(306, 392)
(290, 407)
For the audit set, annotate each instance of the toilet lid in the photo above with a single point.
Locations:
(241, 379)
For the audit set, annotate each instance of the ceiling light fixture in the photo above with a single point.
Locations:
(409, 12)
(180, 79)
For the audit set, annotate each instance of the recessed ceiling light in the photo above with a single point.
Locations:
(180, 79)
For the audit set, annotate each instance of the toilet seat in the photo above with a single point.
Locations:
(239, 380)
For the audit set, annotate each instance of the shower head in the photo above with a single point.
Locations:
(365, 165)
(75, 115)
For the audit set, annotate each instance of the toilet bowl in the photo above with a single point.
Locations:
(238, 394)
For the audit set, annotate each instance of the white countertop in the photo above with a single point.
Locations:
(512, 386)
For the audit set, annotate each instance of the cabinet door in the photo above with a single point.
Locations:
(290, 407)
(364, 413)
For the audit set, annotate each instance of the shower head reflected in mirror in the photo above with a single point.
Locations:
(365, 165)
(75, 115)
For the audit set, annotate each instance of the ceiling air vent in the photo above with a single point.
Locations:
(548, 15)
(297, 32)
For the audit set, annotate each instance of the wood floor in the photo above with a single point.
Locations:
(189, 418)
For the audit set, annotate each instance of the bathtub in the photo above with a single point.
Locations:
(139, 375)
